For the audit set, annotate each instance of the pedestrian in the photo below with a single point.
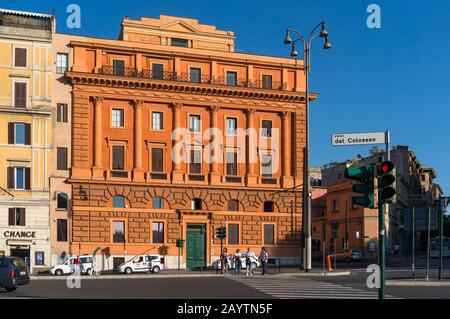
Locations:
(224, 261)
(248, 261)
(237, 262)
(77, 266)
(263, 257)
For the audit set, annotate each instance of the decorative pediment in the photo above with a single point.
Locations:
(179, 26)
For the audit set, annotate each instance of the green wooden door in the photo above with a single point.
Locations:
(195, 246)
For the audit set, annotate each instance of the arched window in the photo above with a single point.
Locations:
(233, 205)
(269, 207)
(158, 203)
(62, 201)
(118, 201)
(196, 204)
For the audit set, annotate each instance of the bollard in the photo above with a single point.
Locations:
(329, 263)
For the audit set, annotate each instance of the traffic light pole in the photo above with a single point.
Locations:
(381, 248)
(441, 234)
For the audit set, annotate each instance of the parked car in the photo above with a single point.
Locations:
(68, 266)
(348, 256)
(141, 263)
(13, 273)
(255, 262)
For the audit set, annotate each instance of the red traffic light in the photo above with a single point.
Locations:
(385, 168)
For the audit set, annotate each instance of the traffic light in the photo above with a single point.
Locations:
(221, 232)
(386, 181)
(180, 243)
(364, 175)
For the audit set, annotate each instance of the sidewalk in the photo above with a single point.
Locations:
(418, 283)
(174, 273)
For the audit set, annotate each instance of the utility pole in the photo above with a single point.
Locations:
(413, 242)
(428, 243)
(441, 235)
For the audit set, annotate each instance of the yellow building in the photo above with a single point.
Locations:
(26, 142)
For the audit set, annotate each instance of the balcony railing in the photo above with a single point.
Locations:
(184, 77)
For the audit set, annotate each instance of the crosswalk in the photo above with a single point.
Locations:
(301, 288)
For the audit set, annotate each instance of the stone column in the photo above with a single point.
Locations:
(287, 180)
(214, 174)
(138, 172)
(177, 172)
(97, 170)
(251, 149)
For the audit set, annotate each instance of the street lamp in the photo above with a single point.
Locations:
(306, 182)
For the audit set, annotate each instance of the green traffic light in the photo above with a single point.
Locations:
(364, 175)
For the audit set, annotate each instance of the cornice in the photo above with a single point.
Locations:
(151, 85)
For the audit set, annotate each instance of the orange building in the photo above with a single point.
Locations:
(359, 223)
(133, 194)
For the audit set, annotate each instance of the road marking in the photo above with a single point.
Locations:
(301, 288)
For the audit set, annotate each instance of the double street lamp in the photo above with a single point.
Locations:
(306, 182)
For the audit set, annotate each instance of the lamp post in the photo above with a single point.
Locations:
(306, 182)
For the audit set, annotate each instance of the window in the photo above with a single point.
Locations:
(117, 117)
(18, 178)
(20, 94)
(39, 258)
(61, 201)
(158, 233)
(195, 75)
(195, 163)
(269, 207)
(157, 120)
(196, 204)
(61, 160)
(158, 203)
(335, 205)
(118, 232)
(19, 133)
(16, 216)
(231, 78)
(269, 234)
(118, 201)
(233, 234)
(232, 164)
(267, 82)
(158, 71)
(266, 165)
(119, 67)
(62, 64)
(194, 123)
(233, 205)
(118, 158)
(157, 160)
(61, 111)
(266, 128)
(231, 126)
(61, 230)
(179, 42)
(20, 57)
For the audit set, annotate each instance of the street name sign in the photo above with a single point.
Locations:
(358, 139)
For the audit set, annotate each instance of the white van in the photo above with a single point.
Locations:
(68, 266)
(141, 263)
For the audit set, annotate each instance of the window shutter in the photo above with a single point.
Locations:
(27, 178)
(20, 57)
(157, 160)
(10, 133)
(21, 217)
(10, 173)
(27, 134)
(118, 159)
(11, 216)
(65, 112)
(58, 112)
(20, 93)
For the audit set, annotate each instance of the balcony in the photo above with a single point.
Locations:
(184, 77)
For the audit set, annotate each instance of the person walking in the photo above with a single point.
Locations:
(263, 257)
(237, 262)
(248, 261)
(224, 261)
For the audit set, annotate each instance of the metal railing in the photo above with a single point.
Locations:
(185, 77)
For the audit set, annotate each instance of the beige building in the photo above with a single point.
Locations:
(25, 145)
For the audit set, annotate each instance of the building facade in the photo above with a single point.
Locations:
(25, 146)
(137, 187)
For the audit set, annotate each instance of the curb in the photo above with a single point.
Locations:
(321, 274)
(417, 283)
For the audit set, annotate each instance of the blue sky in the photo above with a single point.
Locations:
(395, 77)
